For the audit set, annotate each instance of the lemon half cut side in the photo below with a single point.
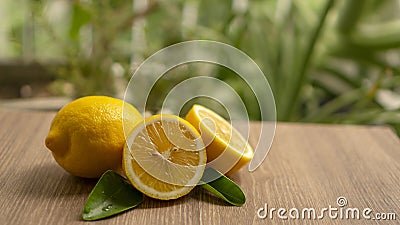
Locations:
(164, 157)
(227, 149)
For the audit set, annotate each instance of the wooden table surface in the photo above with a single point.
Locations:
(309, 166)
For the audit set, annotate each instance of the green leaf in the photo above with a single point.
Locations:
(222, 187)
(80, 17)
(112, 194)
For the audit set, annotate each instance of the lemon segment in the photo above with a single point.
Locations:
(164, 157)
(227, 150)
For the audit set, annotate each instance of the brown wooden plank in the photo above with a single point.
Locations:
(308, 166)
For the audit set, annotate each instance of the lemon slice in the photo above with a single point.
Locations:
(164, 157)
(227, 150)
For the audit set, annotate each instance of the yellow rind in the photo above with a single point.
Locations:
(217, 145)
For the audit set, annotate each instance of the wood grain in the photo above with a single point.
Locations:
(308, 166)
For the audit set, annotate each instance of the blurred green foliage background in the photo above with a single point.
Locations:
(327, 61)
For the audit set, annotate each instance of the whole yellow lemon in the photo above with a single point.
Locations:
(86, 136)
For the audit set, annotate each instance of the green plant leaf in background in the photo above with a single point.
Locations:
(223, 187)
(112, 194)
(80, 17)
(321, 57)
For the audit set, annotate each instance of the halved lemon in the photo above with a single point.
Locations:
(164, 157)
(227, 150)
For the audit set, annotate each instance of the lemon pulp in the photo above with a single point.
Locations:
(164, 157)
(227, 150)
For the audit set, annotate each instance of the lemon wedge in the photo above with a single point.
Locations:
(227, 150)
